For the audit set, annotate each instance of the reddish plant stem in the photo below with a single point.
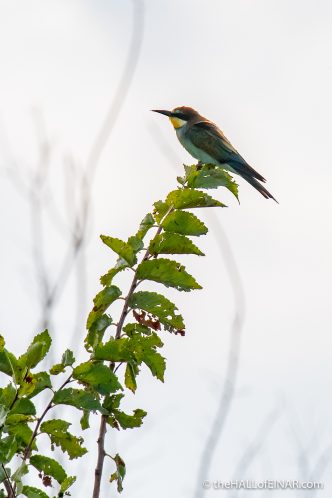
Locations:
(101, 456)
(134, 282)
(8, 484)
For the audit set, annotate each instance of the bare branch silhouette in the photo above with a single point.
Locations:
(319, 468)
(255, 446)
(311, 467)
(122, 89)
(33, 187)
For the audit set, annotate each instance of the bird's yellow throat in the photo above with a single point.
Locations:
(177, 122)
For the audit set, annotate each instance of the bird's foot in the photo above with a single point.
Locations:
(199, 165)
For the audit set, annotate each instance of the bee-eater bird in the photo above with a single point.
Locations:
(207, 143)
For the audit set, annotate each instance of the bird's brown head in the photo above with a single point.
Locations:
(179, 116)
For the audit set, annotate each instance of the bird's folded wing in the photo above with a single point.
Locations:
(207, 136)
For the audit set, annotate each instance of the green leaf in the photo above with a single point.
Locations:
(84, 421)
(130, 421)
(136, 243)
(191, 198)
(144, 349)
(116, 350)
(59, 436)
(159, 306)
(57, 369)
(184, 223)
(2, 343)
(147, 223)
(8, 363)
(101, 324)
(167, 272)
(123, 249)
(8, 448)
(120, 472)
(49, 467)
(106, 279)
(173, 243)
(210, 176)
(26, 388)
(72, 445)
(37, 350)
(68, 358)
(55, 426)
(130, 376)
(80, 399)
(156, 364)
(101, 302)
(135, 349)
(31, 492)
(131, 329)
(160, 209)
(67, 483)
(98, 376)
(112, 403)
(96, 332)
(23, 406)
(139, 342)
(22, 432)
(39, 382)
(7, 395)
(17, 418)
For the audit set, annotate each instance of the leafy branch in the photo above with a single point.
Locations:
(18, 413)
(117, 349)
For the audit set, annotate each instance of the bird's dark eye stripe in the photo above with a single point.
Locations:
(180, 115)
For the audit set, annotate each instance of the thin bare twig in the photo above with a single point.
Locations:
(101, 457)
(310, 471)
(111, 118)
(50, 291)
(255, 446)
(317, 472)
(122, 89)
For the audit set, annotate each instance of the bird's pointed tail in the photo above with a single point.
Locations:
(258, 186)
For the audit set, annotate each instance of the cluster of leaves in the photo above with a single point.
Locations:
(131, 342)
(21, 428)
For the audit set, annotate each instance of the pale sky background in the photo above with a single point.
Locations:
(262, 69)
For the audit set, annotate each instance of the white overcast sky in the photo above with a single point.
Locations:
(262, 69)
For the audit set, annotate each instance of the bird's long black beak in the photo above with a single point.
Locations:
(167, 113)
